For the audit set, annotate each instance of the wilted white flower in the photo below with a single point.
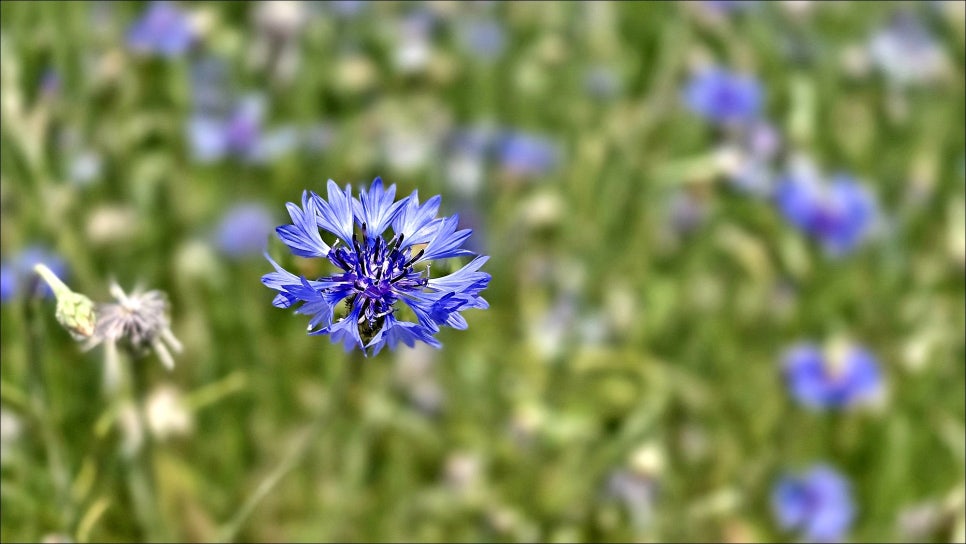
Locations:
(138, 319)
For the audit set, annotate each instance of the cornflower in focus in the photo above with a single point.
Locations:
(839, 377)
(817, 503)
(839, 213)
(724, 97)
(162, 30)
(374, 274)
(243, 230)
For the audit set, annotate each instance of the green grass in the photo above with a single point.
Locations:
(693, 325)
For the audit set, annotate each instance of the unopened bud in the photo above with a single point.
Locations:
(75, 312)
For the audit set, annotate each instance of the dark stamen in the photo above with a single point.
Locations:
(396, 240)
(359, 260)
(414, 258)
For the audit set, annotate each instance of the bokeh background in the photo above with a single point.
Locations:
(626, 382)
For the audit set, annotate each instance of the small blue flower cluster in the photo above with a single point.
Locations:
(838, 213)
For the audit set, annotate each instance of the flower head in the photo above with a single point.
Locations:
(526, 154)
(484, 38)
(818, 503)
(139, 319)
(162, 30)
(838, 213)
(906, 52)
(723, 97)
(377, 276)
(75, 312)
(839, 377)
(243, 230)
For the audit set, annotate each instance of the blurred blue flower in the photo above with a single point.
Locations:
(17, 273)
(238, 134)
(485, 38)
(50, 82)
(209, 80)
(906, 51)
(817, 503)
(375, 274)
(526, 154)
(726, 6)
(754, 172)
(162, 30)
(602, 82)
(8, 282)
(244, 230)
(836, 378)
(723, 97)
(838, 213)
(346, 8)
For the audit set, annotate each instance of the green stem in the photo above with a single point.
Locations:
(345, 386)
(39, 407)
(139, 465)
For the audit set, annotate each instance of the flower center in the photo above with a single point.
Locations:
(379, 272)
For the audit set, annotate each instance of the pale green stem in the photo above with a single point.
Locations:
(39, 407)
(337, 400)
(139, 464)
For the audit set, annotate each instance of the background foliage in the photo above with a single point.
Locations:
(640, 303)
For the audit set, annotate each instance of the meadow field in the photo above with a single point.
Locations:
(724, 294)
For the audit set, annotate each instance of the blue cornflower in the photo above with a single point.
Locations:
(373, 275)
(14, 275)
(723, 97)
(818, 503)
(162, 30)
(485, 38)
(239, 134)
(838, 213)
(8, 282)
(840, 377)
(244, 230)
(906, 51)
(526, 154)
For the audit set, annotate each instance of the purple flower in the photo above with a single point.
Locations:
(484, 38)
(50, 82)
(838, 213)
(244, 230)
(16, 274)
(833, 379)
(817, 503)
(726, 6)
(754, 171)
(8, 282)
(526, 154)
(374, 277)
(238, 134)
(723, 97)
(906, 52)
(162, 30)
